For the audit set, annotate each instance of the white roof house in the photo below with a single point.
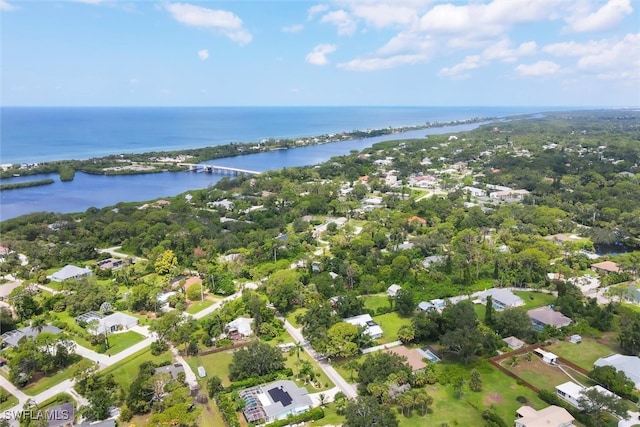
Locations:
(630, 365)
(571, 392)
(365, 321)
(70, 272)
(241, 325)
(393, 290)
(502, 298)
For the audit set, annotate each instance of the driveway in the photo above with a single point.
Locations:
(348, 389)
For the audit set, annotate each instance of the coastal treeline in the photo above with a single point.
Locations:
(154, 162)
(26, 184)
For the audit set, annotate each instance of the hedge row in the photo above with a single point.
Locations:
(250, 382)
(313, 415)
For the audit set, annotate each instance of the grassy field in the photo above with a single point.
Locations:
(125, 371)
(535, 299)
(197, 306)
(373, 302)
(292, 317)
(587, 352)
(543, 375)
(45, 383)
(72, 328)
(216, 364)
(11, 401)
(390, 324)
(122, 341)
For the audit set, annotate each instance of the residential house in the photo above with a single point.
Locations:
(547, 356)
(12, 338)
(240, 328)
(572, 392)
(416, 220)
(99, 323)
(630, 365)
(475, 192)
(606, 267)
(432, 260)
(547, 316)
(365, 321)
(502, 298)
(392, 290)
(274, 401)
(413, 356)
(551, 416)
(509, 195)
(514, 343)
(174, 370)
(70, 272)
(427, 306)
(110, 264)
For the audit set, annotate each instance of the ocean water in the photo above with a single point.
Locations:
(33, 134)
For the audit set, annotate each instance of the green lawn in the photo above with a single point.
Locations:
(197, 306)
(535, 299)
(122, 341)
(585, 353)
(292, 317)
(373, 302)
(216, 364)
(125, 371)
(11, 401)
(390, 324)
(72, 328)
(45, 383)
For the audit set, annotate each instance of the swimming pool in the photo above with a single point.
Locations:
(429, 355)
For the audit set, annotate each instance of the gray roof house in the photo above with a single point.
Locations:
(12, 337)
(70, 272)
(274, 401)
(172, 370)
(502, 298)
(630, 365)
(543, 316)
(107, 324)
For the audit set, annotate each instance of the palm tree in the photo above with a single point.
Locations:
(296, 349)
(38, 324)
(424, 400)
(406, 401)
(352, 365)
(323, 399)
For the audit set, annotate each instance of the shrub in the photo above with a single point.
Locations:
(158, 347)
(125, 414)
(522, 399)
(492, 419)
(312, 415)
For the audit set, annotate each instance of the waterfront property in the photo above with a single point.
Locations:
(547, 316)
(69, 272)
(274, 401)
(551, 416)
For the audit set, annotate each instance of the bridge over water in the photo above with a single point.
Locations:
(218, 169)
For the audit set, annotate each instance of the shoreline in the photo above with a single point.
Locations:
(161, 161)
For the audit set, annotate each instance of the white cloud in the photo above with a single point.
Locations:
(487, 19)
(607, 58)
(501, 51)
(458, 71)
(293, 28)
(384, 15)
(537, 69)
(89, 1)
(226, 22)
(203, 54)
(6, 6)
(341, 19)
(314, 10)
(373, 64)
(318, 56)
(605, 18)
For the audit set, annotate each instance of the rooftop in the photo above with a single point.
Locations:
(548, 316)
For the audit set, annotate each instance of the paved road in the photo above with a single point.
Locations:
(348, 389)
(113, 251)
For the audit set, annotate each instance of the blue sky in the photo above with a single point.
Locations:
(342, 52)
